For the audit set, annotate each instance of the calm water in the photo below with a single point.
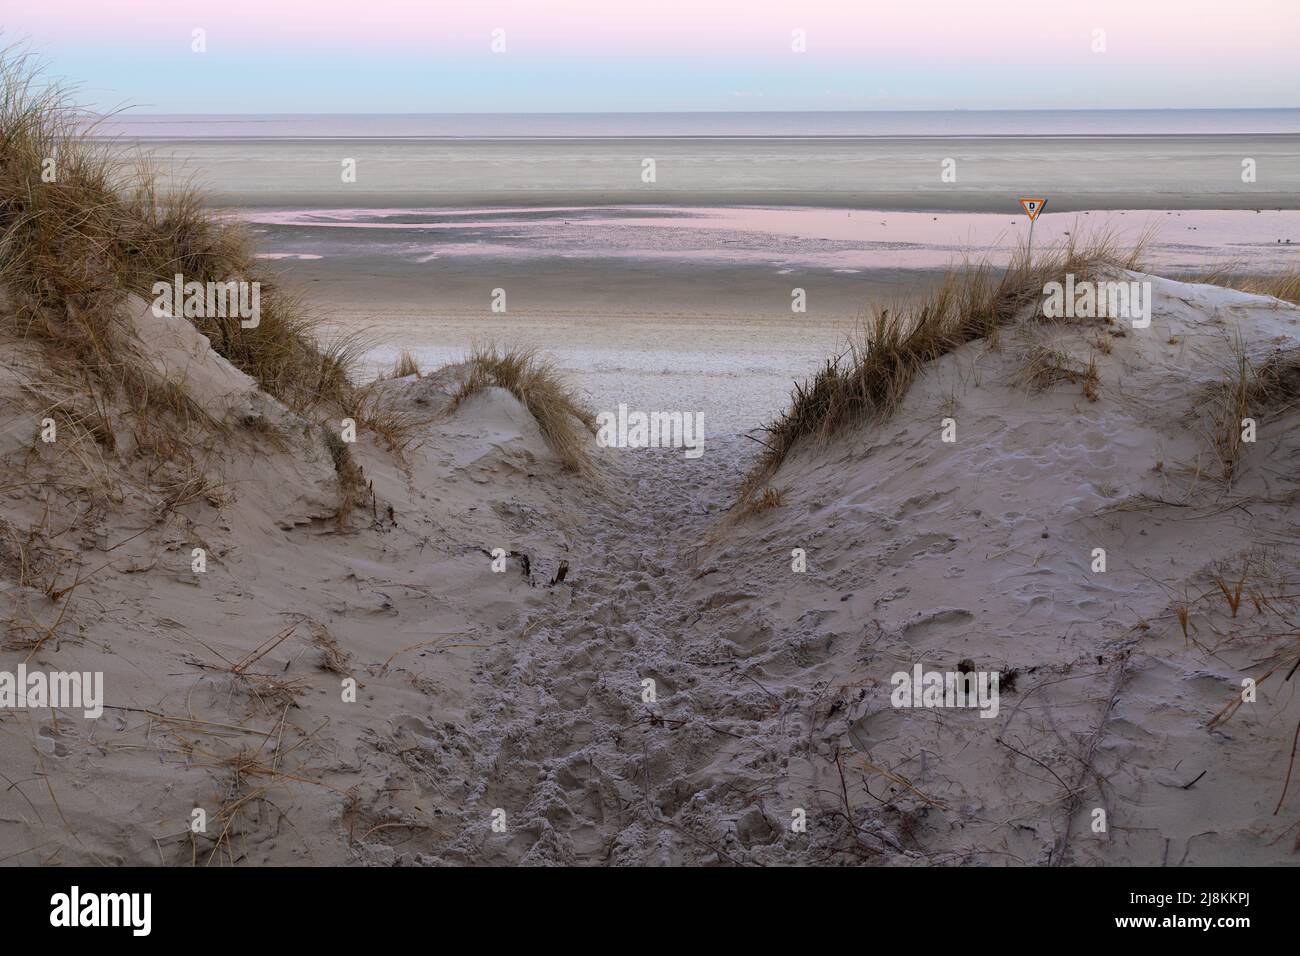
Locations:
(774, 240)
(444, 205)
(1082, 160)
(748, 124)
(625, 280)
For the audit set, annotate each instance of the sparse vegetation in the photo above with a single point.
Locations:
(385, 414)
(973, 301)
(764, 500)
(81, 227)
(538, 385)
(406, 365)
(351, 482)
(1259, 392)
(1281, 285)
(1043, 367)
(1230, 407)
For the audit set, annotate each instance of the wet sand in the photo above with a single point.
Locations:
(678, 308)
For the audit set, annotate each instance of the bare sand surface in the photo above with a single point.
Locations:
(648, 335)
(653, 677)
(505, 717)
(672, 308)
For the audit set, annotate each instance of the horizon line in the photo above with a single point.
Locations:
(952, 109)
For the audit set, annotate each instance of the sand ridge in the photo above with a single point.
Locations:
(505, 717)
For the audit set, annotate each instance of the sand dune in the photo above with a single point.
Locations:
(503, 717)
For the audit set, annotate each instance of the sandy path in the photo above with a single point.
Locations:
(772, 688)
(596, 771)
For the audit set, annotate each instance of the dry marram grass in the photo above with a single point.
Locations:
(973, 301)
(537, 384)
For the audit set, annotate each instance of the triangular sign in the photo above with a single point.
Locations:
(1033, 207)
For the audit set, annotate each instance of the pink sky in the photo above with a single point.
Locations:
(1174, 28)
(1241, 49)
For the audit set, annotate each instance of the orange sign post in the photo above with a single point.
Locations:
(1033, 206)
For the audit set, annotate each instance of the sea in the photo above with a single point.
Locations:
(662, 251)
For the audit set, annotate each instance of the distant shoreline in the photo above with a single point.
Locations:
(951, 173)
(932, 201)
(724, 123)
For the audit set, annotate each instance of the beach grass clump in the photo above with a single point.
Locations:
(1255, 392)
(974, 300)
(405, 366)
(538, 385)
(1044, 367)
(1280, 285)
(767, 499)
(351, 481)
(81, 226)
(387, 415)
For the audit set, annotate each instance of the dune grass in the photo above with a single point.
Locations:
(1260, 391)
(1280, 285)
(83, 225)
(1043, 367)
(538, 385)
(760, 501)
(405, 366)
(80, 227)
(972, 301)
(388, 416)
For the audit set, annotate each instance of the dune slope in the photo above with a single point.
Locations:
(224, 688)
(683, 695)
(983, 550)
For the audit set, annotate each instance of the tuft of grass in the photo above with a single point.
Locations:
(1231, 594)
(1044, 367)
(406, 366)
(351, 481)
(387, 416)
(1276, 385)
(973, 301)
(1091, 380)
(762, 501)
(81, 226)
(1260, 391)
(1230, 407)
(1182, 613)
(539, 387)
(1280, 285)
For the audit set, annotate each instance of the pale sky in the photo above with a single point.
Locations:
(386, 56)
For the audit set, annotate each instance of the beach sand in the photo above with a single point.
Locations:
(504, 717)
(367, 578)
(645, 334)
(683, 308)
(463, 653)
